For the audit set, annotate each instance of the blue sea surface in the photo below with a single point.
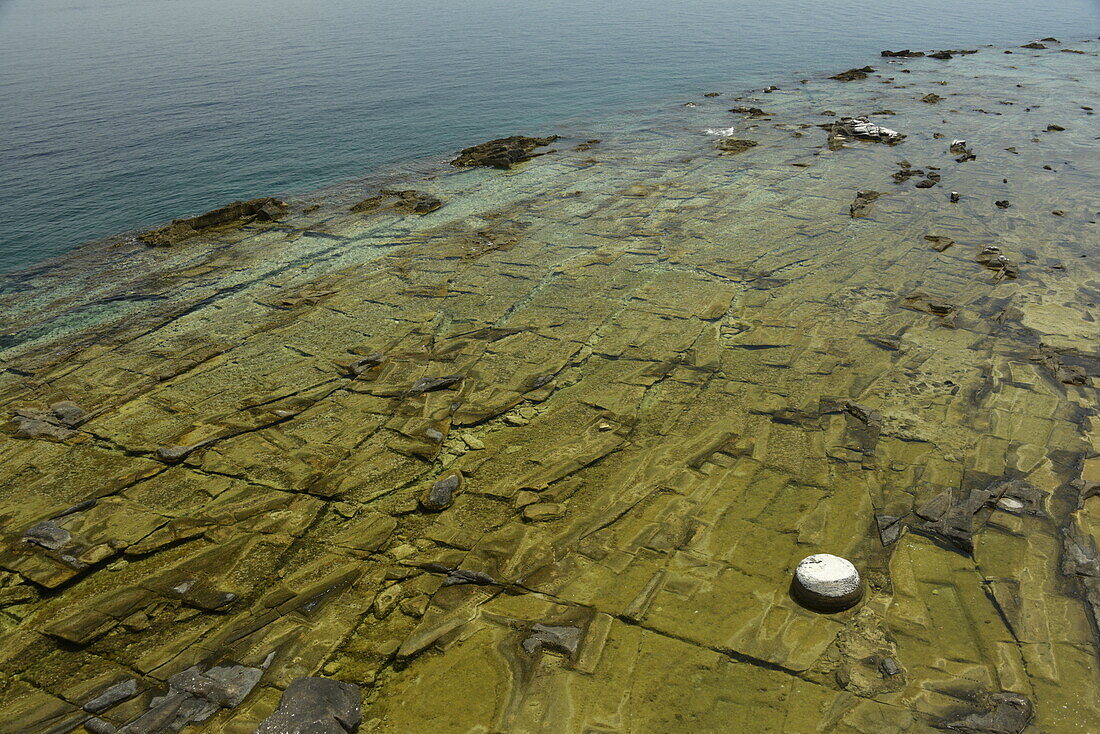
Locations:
(122, 114)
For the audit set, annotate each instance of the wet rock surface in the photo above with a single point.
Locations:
(664, 376)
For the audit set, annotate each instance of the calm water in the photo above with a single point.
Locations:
(121, 114)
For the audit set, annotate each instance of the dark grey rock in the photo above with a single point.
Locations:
(440, 495)
(117, 693)
(431, 384)
(1011, 714)
(96, 725)
(315, 706)
(48, 535)
(562, 639)
(457, 576)
(889, 528)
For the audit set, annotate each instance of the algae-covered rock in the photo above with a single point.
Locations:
(237, 213)
(502, 152)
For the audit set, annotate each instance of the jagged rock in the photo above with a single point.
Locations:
(431, 384)
(559, 638)
(859, 128)
(47, 535)
(931, 98)
(175, 454)
(587, 145)
(735, 145)
(78, 507)
(1011, 713)
(1033, 44)
(96, 725)
(315, 706)
(1054, 128)
(994, 259)
(902, 54)
(958, 147)
(713, 94)
(502, 152)
(459, 576)
(889, 528)
(440, 495)
(117, 693)
(239, 212)
(853, 74)
(193, 697)
(1003, 203)
(861, 205)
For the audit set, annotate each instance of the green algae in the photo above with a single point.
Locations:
(681, 372)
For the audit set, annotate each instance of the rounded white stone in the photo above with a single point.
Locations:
(828, 576)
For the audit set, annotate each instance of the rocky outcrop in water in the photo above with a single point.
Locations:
(503, 152)
(853, 74)
(235, 214)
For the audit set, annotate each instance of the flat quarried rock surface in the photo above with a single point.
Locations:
(664, 375)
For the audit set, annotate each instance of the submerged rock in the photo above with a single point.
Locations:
(938, 243)
(1011, 713)
(407, 200)
(853, 74)
(994, 259)
(239, 212)
(735, 145)
(902, 54)
(315, 706)
(431, 384)
(559, 638)
(502, 152)
(861, 206)
(117, 693)
(931, 98)
(749, 111)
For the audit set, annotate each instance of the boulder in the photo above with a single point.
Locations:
(734, 145)
(315, 706)
(861, 205)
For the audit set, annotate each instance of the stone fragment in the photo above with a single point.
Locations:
(315, 706)
(502, 152)
(117, 693)
(1054, 128)
(440, 495)
(889, 529)
(1003, 203)
(1034, 44)
(902, 54)
(931, 98)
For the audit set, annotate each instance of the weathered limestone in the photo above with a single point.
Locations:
(562, 442)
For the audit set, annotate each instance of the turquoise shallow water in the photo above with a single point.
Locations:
(117, 115)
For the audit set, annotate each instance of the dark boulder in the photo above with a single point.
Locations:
(440, 495)
(501, 153)
(315, 706)
(853, 74)
(902, 54)
(735, 145)
(861, 206)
